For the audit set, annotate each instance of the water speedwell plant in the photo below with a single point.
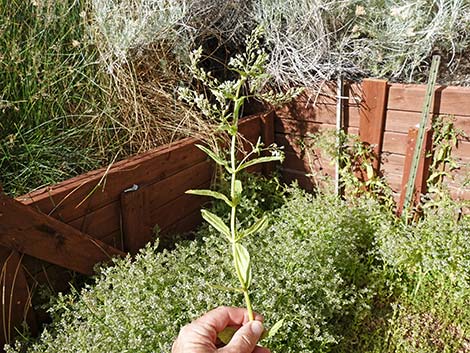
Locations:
(229, 97)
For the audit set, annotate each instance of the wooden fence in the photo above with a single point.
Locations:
(71, 226)
(381, 114)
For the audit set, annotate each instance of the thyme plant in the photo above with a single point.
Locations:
(229, 97)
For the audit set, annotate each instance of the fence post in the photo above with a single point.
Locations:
(422, 173)
(372, 114)
(134, 217)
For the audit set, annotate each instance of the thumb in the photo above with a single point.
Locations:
(245, 339)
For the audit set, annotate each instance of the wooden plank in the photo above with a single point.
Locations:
(15, 297)
(422, 171)
(289, 176)
(304, 128)
(372, 116)
(185, 225)
(447, 100)
(134, 211)
(401, 121)
(176, 209)
(396, 143)
(320, 113)
(300, 128)
(28, 231)
(162, 192)
(393, 163)
(101, 222)
(307, 163)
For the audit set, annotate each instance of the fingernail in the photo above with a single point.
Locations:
(257, 328)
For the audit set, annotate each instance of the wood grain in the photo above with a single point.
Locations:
(28, 231)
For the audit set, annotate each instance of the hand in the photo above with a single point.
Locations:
(201, 335)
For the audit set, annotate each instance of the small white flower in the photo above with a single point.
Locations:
(360, 10)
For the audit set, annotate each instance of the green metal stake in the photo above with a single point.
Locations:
(422, 127)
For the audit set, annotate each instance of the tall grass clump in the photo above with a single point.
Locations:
(144, 48)
(49, 90)
(309, 267)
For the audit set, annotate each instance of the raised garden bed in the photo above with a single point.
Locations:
(117, 208)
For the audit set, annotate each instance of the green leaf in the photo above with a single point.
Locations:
(370, 171)
(210, 193)
(238, 187)
(243, 265)
(226, 334)
(259, 161)
(273, 330)
(258, 226)
(216, 222)
(216, 158)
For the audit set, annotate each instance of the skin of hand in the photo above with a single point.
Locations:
(200, 336)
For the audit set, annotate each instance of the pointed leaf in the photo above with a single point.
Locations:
(210, 193)
(273, 330)
(258, 226)
(259, 161)
(216, 222)
(243, 265)
(212, 155)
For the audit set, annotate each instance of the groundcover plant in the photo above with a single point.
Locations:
(309, 268)
(346, 276)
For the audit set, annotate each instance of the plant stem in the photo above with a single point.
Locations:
(234, 197)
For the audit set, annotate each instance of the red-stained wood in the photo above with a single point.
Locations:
(401, 121)
(372, 116)
(177, 209)
(15, 297)
(185, 225)
(447, 100)
(28, 231)
(71, 196)
(162, 192)
(320, 113)
(309, 162)
(100, 223)
(267, 136)
(422, 173)
(305, 128)
(396, 143)
(134, 212)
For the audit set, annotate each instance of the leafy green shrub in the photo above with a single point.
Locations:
(428, 264)
(310, 268)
